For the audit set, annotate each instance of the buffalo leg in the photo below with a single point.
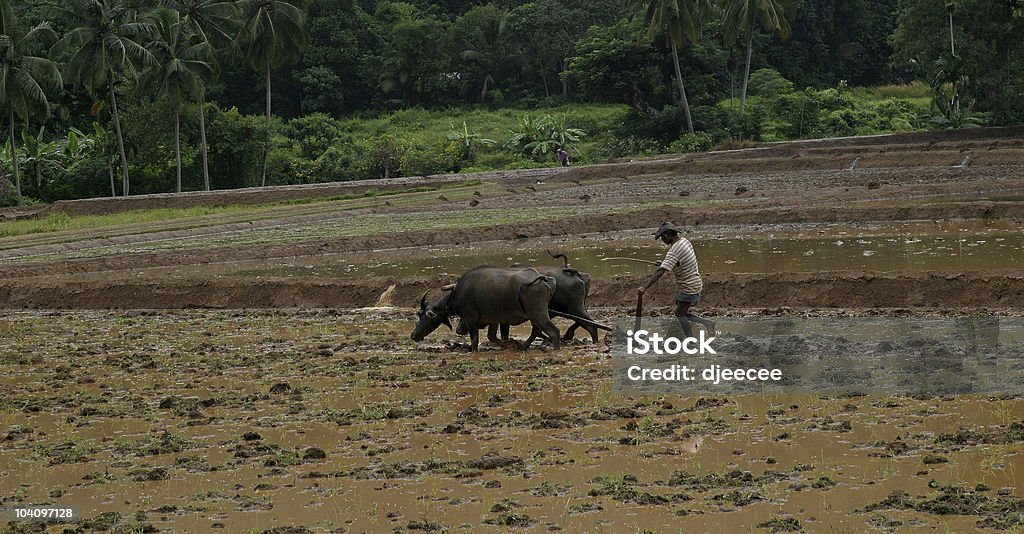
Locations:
(546, 329)
(592, 330)
(474, 339)
(534, 333)
(571, 332)
(551, 331)
(492, 334)
(504, 332)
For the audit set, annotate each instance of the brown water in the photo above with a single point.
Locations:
(963, 246)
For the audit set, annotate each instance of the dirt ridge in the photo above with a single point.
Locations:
(836, 289)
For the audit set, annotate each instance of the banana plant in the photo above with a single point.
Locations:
(466, 140)
(41, 157)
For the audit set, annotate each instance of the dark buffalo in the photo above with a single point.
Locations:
(487, 296)
(571, 290)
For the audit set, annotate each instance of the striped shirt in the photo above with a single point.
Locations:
(682, 261)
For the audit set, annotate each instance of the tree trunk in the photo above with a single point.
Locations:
(202, 141)
(746, 72)
(544, 78)
(952, 49)
(110, 170)
(14, 161)
(177, 147)
(120, 139)
(565, 80)
(682, 88)
(266, 144)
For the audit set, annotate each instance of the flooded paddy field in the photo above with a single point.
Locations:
(222, 374)
(899, 246)
(247, 421)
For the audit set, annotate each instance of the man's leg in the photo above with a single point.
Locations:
(708, 324)
(682, 311)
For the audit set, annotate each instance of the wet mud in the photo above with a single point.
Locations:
(250, 421)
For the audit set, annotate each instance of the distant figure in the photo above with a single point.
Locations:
(563, 157)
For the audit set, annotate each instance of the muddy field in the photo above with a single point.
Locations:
(236, 372)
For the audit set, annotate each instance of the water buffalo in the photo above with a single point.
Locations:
(571, 290)
(487, 296)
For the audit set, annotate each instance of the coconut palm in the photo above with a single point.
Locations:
(681, 21)
(104, 46)
(742, 17)
(274, 34)
(182, 69)
(216, 22)
(24, 76)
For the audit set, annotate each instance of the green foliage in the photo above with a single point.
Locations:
(695, 142)
(830, 113)
(107, 40)
(615, 64)
(274, 32)
(235, 147)
(538, 137)
(184, 61)
(467, 142)
(768, 82)
(989, 42)
(384, 157)
(427, 160)
(337, 67)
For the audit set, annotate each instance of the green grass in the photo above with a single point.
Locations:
(431, 127)
(916, 93)
(58, 222)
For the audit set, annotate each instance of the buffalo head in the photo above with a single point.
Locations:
(430, 317)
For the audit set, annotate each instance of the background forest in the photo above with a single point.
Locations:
(113, 97)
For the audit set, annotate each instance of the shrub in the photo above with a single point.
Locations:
(633, 146)
(695, 142)
(315, 133)
(768, 82)
(423, 161)
(383, 157)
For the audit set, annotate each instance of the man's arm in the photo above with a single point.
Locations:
(652, 280)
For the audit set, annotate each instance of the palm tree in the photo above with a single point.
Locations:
(182, 69)
(24, 76)
(215, 22)
(274, 33)
(741, 17)
(104, 45)
(681, 21)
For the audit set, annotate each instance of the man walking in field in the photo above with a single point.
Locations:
(682, 261)
(563, 157)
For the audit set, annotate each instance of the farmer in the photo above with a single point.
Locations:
(563, 157)
(682, 261)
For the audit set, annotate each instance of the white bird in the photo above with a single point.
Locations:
(853, 166)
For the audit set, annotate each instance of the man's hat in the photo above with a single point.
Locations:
(666, 227)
